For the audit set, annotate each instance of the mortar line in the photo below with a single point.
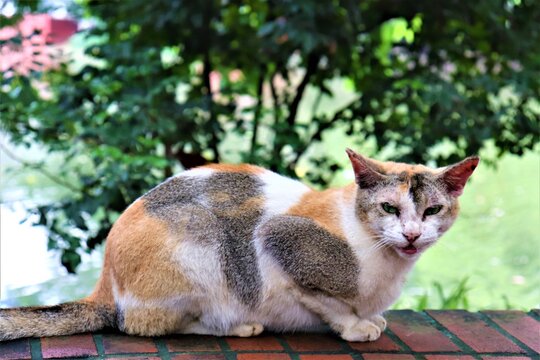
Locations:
(163, 352)
(506, 334)
(463, 347)
(98, 342)
(225, 348)
(35, 349)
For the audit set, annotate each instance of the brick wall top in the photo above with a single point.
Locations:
(430, 335)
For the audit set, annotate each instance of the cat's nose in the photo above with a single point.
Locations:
(411, 236)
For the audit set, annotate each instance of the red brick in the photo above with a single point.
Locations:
(384, 343)
(122, 344)
(198, 357)
(68, 346)
(313, 342)
(15, 350)
(254, 343)
(135, 358)
(326, 356)
(192, 343)
(418, 332)
(506, 358)
(267, 356)
(474, 332)
(387, 357)
(520, 325)
(449, 357)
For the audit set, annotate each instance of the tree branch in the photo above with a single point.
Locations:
(322, 127)
(257, 114)
(168, 155)
(275, 99)
(207, 70)
(311, 68)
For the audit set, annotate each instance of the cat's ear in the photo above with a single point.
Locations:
(454, 177)
(365, 174)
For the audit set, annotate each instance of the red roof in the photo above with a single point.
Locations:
(38, 49)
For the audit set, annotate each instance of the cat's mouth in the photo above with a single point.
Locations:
(409, 249)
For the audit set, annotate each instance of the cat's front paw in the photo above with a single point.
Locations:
(363, 330)
(247, 330)
(379, 321)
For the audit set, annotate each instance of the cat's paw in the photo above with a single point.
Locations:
(379, 321)
(363, 330)
(247, 330)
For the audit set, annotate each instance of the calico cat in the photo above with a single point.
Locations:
(230, 250)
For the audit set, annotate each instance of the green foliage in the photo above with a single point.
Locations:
(453, 298)
(144, 105)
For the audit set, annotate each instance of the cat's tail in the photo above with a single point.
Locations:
(64, 319)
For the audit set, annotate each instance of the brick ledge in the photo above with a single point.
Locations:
(430, 335)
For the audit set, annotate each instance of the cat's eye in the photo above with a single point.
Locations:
(389, 208)
(432, 210)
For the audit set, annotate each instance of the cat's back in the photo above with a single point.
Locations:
(225, 190)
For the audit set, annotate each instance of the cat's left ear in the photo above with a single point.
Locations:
(454, 177)
(364, 170)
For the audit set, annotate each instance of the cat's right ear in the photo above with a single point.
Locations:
(454, 177)
(364, 173)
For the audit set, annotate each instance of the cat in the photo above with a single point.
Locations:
(231, 250)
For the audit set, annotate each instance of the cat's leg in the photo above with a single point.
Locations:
(342, 318)
(242, 330)
(161, 321)
(149, 321)
(363, 330)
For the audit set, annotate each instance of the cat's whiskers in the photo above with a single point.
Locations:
(381, 244)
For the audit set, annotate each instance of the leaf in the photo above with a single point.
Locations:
(70, 259)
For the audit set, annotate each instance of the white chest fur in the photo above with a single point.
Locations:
(381, 275)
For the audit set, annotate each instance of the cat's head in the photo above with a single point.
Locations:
(408, 207)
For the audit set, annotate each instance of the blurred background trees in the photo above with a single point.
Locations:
(160, 86)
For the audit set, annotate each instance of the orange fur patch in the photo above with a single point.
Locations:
(241, 168)
(153, 321)
(322, 207)
(247, 206)
(405, 186)
(141, 253)
(390, 167)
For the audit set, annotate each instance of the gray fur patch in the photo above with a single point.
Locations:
(238, 219)
(120, 318)
(316, 259)
(424, 187)
(163, 200)
(222, 209)
(417, 189)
